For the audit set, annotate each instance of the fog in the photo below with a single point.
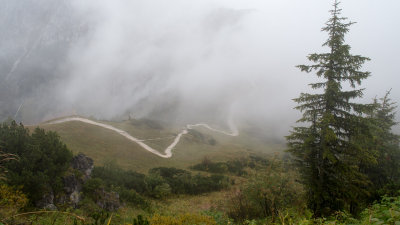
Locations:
(180, 60)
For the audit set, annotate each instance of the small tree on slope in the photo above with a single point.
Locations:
(385, 175)
(331, 146)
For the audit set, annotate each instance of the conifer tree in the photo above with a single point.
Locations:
(330, 144)
(385, 175)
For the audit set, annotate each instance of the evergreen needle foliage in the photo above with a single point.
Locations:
(331, 145)
(42, 160)
(385, 175)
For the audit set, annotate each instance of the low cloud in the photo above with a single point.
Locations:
(186, 61)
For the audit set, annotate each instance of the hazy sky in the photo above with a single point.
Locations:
(205, 59)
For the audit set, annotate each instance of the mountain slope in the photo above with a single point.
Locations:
(104, 145)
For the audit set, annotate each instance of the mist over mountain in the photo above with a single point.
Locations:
(179, 61)
(35, 41)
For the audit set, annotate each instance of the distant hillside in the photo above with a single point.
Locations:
(104, 145)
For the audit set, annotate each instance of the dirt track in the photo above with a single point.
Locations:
(168, 150)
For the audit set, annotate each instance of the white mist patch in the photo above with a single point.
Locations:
(179, 60)
(201, 56)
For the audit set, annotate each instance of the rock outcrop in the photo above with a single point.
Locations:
(82, 167)
(84, 164)
(47, 201)
(79, 172)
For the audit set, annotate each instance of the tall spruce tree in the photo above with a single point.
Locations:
(330, 145)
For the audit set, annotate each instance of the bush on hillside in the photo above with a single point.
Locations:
(236, 167)
(157, 187)
(182, 181)
(159, 183)
(266, 195)
(112, 175)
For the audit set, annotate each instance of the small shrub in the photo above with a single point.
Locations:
(132, 197)
(157, 186)
(91, 186)
(266, 195)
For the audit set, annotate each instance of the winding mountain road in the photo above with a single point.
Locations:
(168, 151)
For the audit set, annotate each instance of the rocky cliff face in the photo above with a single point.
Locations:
(83, 164)
(78, 174)
(73, 183)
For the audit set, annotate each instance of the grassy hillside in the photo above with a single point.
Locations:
(105, 145)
